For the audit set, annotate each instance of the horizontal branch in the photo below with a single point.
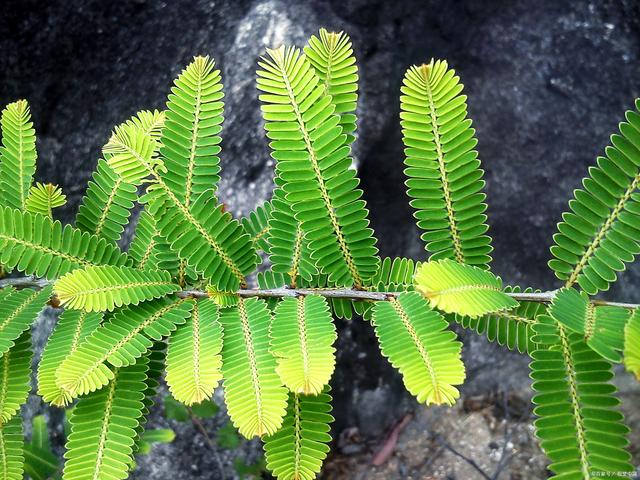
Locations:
(345, 293)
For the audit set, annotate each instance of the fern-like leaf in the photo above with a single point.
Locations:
(445, 178)
(144, 246)
(602, 327)
(190, 141)
(202, 234)
(256, 224)
(17, 155)
(302, 336)
(18, 310)
(193, 358)
(314, 166)
(155, 369)
(106, 207)
(332, 59)
(511, 328)
(632, 344)
(600, 233)
(210, 241)
(12, 450)
(416, 341)
(72, 328)
(288, 248)
(579, 426)
(394, 275)
(462, 289)
(43, 198)
(297, 450)
(36, 245)
(119, 342)
(99, 288)
(103, 427)
(255, 398)
(15, 377)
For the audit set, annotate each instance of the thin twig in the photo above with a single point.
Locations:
(344, 293)
(212, 446)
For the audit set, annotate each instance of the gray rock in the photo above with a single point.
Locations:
(547, 82)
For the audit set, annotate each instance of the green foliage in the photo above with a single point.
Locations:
(600, 233)
(297, 450)
(193, 356)
(102, 438)
(313, 163)
(256, 400)
(302, 336)
(44, 198)
(579, 426)
(511, 328)
(156, 435)
(190, 141)
(17, 154)
(119, 342)
(275, 354)
(72, 328)
(40, 463)
(332, 59)
(256, 225)
(106, 206)
(632, 344)
(228, 437)
(12, 449)
(100, 288)
(144, 247)
(445, 179)
(465, 290)
(18, 310)
(416, 341)
(36, 245)
(15, 377)
(288, 247)
(602, 328)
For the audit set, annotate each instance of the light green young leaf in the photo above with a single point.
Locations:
(462, 289)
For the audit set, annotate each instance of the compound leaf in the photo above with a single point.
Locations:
(193, 357)
(202, 234)
(190, 140)
(511, 328)
(602, 327)
(100, 288)
(288, 248)
(445, 179)
(297, 450)
(255, 398)
(43, 198)
(579, 426)
(72, 328)
(256, 224)
(600, 234)
(12, 450)
(18, 310)
(333, 61)
(17, 155)
(104, 427)
(314, 165)
(632, 344)
(36, 245)
(120, 342)
(462, 289)
(416, 341)
(15, 377)
(302, 336)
